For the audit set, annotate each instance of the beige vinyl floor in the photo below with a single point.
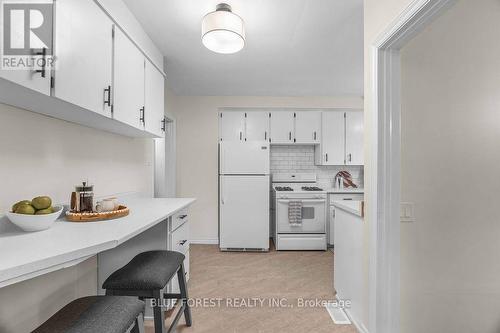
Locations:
(240, 287)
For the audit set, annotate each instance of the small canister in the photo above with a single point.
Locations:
(84, 198)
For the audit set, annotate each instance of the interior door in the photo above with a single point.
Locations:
(244, 212)
(333, 134)
(83, 49)
(154, 101)
(354, 138)
(257, 126)
(282, 127)
(232, 126)
(308, 127)
(129, 82)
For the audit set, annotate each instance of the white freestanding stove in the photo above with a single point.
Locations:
(298, 212)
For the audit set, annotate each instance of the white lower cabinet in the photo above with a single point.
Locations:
(331, 212)
(179, 242)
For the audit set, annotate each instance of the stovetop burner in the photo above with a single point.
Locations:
(311, 188)
(283, 188)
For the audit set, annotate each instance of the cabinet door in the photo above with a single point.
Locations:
(84, 46)
(257, 126)
(333, 138)
(29, 79)
(282, 130)
(354, 138)
(154, 102)
(232, 126)
(307, 127)
(128, 83)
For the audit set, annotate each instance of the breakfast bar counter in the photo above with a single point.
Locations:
(24, 255)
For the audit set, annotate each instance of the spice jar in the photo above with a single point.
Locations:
(84, 198)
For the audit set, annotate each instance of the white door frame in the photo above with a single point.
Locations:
(384, 194)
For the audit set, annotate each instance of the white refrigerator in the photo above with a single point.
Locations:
(244, 196)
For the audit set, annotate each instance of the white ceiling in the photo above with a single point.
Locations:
(293, 47)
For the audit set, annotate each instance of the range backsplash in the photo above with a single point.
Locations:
(300, 159)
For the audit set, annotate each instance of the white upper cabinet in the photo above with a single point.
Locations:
(282, 127)
(331, 151)
(308, 127)
(154, 100)
(129, 80)
(31, 79)
(354, 138)
(83, 50)
(257, 126)
(232, 126)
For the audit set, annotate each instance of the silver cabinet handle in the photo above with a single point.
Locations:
(314, 136)
(290, 136)
(265, 136)
(241, 136)
(43, 53)
(182, 217)
(182, 242)
(326, 157)
(350, 157)
(107, 96)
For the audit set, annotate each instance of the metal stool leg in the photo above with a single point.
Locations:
(181, 275)
(139, 325)
(159, 315)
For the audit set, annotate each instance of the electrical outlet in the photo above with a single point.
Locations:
(407, 212)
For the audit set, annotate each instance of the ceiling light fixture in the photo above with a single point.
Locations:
(223, 31)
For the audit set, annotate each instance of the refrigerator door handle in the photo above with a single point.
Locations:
(222, 191)
(222, 159)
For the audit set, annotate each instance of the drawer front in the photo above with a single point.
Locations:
(301, 242)
(179, 218)
(180, 239)
(174, 283)
(346, 196)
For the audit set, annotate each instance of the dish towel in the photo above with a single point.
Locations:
(295, 213)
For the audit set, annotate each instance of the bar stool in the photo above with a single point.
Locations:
(146, 276)
(97, 314)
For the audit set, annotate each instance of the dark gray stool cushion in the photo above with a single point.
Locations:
(147, 271)
(94, 314)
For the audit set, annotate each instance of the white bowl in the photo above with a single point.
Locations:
(34, 222)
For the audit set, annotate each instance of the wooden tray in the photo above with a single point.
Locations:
(93, 217)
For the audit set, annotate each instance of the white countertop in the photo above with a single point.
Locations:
(345, 190)
(28, 254)
(351, 206)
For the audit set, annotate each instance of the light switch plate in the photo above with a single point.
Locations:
(407, 212)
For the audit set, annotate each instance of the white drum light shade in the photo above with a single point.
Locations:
(223, 31)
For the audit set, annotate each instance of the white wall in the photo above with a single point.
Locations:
(450, 272)
(41, 155)
(197, 144)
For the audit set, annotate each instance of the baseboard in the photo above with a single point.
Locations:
(213, 241)
(359, 326)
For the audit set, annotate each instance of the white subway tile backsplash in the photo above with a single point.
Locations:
(289, 159)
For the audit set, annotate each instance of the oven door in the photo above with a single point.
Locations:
(313, 216)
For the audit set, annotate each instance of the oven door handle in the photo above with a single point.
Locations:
(303, 200)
